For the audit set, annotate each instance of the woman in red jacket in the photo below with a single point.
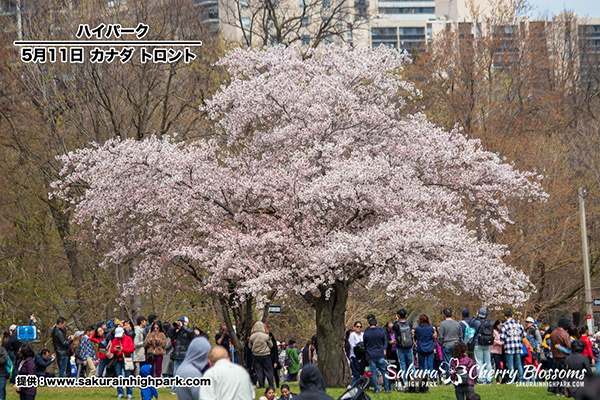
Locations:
(122, 347)
(98, 338)
(585, 337)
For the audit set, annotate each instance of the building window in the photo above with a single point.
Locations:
(407, 10)
(326, 4)
(210, 12)
(303, 3)
(305, 22)
(328, 39)
(305, 40)
(244, 4)
(384, 36)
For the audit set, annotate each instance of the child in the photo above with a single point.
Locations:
(462, 371)
(149, 392)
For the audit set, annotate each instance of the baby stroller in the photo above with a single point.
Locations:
(357, 390)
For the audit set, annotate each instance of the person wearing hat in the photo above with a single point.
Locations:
(484, 338)
(183, 335)
(122, 346)
(466, 321)
(14, 344)
(531, 323)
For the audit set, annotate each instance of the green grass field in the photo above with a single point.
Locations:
(486, 392)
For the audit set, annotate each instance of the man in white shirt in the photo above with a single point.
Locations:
(355, 338)
(229, 381)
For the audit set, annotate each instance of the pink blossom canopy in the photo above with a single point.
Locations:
(315, 173)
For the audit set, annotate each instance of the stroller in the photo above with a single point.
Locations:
(357, 390)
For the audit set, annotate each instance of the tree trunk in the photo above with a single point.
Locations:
(330, 319)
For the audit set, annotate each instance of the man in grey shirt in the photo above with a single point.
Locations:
(449, 334)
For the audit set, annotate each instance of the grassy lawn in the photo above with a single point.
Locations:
(487, 392)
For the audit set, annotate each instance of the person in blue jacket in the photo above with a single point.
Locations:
(424, 336)
(375, 346)
(149, 392)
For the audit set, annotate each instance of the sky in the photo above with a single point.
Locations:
(585, 8)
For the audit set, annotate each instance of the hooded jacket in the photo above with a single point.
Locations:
(193, 366)
(312, 386)
(150, 391)
(260, 342)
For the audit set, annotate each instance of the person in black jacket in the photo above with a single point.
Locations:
(14, 344)
(580, 367)
(42, 360)
(275, 359)
(61, 346)
(183, 335)
(312, 386)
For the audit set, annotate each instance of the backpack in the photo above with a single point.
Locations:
(288, 359)
(461, 377)
(486, 332)
(404, 340)
(469, 332)
(9, 366)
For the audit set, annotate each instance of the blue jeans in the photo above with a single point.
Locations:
(121, 371)
(101, 366)
(405, 358)
(2, 387)
(355, 369)
(425, 362)
(176, 364)
(511, 359)
(63, 365)
(379, 364)
(446, 357)
(483, 359)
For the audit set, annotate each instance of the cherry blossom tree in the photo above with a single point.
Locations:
(316, 178)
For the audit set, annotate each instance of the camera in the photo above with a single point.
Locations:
(176, 324)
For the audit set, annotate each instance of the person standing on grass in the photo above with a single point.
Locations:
(484, 338)
(560, 339)
(25, 365)
(292, 354)
(404, 339)
(375, 346)
(194, 365)
(122, 346)
(139, 355)
(61, 346)
(155, 344)
(512, 335)
(260, 345)
(229, 381)
(425, 336)
(355, 338)
(463, 371)
(449, 334)
(87, 352)
(497, 352)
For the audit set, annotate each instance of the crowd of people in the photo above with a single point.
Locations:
(492, 351)
(152, 348)
(504, 351)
